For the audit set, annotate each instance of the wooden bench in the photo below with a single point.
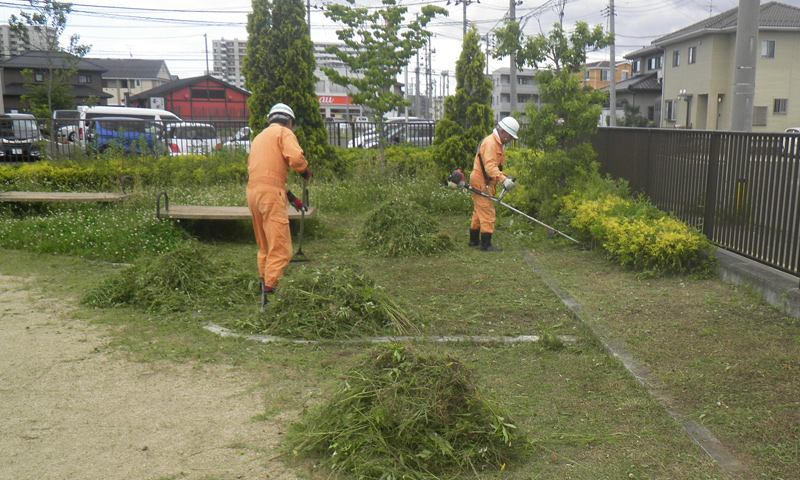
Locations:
(210, 212)
(22, 197)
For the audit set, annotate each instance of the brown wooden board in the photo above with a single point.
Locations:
(22, 197)
(204, 212)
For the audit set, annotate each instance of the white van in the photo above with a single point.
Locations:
(87, 113)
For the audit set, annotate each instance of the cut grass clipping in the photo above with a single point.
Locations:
(402, 228)
(402, 414)
(183, 279)
(330, 301)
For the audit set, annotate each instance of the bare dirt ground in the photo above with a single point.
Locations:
(69, 409)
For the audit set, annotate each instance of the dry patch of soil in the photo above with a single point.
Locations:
(70, 410)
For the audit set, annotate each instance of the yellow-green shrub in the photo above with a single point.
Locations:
(637, 234)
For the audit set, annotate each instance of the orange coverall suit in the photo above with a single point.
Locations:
(272, 153)
(494, 158)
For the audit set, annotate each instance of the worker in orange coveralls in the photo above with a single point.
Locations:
(273, 152)
(487, 171)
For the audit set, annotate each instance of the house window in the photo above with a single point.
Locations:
(672, 110)
(759, 116)
(586, 76)
(637, 66)
(768, 49)
(84, 79)
(625, 75)
(604, 75)
(655, 62)
(692, 55)
(651, 113)
(779, 107)
(38, 77)
(676, 58)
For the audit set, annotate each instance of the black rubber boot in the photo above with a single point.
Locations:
(486, 243)
(266, 290)
(474, 237)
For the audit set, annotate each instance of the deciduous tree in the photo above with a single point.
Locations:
(378, 44)
(48, 18)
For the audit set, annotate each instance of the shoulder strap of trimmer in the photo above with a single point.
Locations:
(480, 158)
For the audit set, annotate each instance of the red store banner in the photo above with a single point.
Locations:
(334, 100)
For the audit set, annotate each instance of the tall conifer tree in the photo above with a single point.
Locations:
(279, 68)
(468, 115)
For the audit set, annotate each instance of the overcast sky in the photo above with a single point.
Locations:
(175, 30)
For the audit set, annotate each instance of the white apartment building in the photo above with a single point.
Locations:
(227, 60)
(527, 91)
(11, 45)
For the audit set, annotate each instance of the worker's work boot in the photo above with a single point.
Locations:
(486, 243)
(266, 290)
(474, 237)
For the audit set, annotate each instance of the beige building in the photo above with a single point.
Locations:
(698, 72)
(124, 77)
(228, 56)
(596, 75)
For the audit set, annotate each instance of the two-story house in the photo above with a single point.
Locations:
(643, 88)
(126, 77)
(597, 75)
(86, 83)
(699, 67)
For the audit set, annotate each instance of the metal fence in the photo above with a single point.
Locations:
(742, 190)
(71, 138)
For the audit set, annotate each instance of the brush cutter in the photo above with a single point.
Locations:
(300, 256)
(456, 180)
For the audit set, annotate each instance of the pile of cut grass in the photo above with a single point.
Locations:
(331, 301)
(401, 228)
(183, 279)
(405, 414)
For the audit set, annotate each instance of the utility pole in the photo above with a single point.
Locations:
(512, 16)
(612, 66)
(205, 35)
(464, 3)
(744, 73)
(416, 99)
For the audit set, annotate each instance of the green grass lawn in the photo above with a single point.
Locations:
(728, 360)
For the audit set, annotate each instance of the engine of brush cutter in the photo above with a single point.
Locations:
(456, 179)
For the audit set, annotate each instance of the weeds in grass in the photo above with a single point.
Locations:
(401, 228)
(402, 414)
(330, 302)
(180, 280)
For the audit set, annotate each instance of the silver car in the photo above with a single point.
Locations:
(191, 138)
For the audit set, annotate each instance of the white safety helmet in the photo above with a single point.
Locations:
(282, 109)
(510, 125)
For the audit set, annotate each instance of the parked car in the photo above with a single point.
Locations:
(19, 137)
(791, 146)
(419, 134)
(66, 125)
(240, 141)
(126, 134)
(185, 138)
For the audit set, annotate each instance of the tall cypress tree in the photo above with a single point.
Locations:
(256, 65)
(279, 68)
(468, 115)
